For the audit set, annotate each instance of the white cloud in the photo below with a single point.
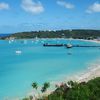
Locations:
(32, 7)
(65, 4)
(4, 6)
(94, 8)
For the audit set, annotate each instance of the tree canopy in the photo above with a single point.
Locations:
(80, 34)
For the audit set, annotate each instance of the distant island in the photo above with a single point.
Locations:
(76, 34)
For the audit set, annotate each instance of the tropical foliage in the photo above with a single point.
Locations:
(45, 87)
(75, 91)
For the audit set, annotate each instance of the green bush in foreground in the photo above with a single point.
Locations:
(76, 91)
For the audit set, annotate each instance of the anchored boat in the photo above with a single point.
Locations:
(18, 52)
(69, 46)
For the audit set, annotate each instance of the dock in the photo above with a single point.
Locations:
(85, 46)
(53, 45)
(61, 45)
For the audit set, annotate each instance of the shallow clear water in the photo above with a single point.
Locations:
(39, 64)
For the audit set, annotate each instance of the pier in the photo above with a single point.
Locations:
(66, 45)
(85, 46)
(53, 45)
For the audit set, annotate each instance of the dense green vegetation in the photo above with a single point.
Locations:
(75, 91)
(81, 34)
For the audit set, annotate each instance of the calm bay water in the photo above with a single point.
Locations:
(40, 64)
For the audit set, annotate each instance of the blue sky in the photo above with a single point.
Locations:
(31, 15)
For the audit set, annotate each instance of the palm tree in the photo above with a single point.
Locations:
(72, 84)
(46, 85)
(35, 85)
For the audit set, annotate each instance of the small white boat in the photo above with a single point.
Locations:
(12, 40)
(69, 46)
(9, 42)
(32, 41)
(18, 52)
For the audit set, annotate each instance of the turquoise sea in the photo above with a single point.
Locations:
(40, 64)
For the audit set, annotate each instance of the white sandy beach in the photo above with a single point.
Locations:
(90, 74)
(95, 40)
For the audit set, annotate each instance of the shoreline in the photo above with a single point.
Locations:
(95, 40)
(84, 76)
(90, 73)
